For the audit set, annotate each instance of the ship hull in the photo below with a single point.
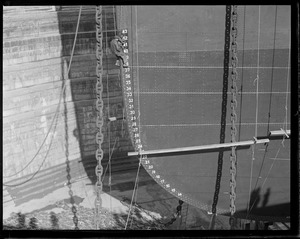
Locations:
(181, 76)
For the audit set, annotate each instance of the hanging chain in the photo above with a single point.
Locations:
(176, 215)
(99, 117)
(223, 116)
(69, 184)
(233, 118)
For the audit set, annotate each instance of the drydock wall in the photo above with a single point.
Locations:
(37, 45)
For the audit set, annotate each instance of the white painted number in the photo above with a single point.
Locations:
(135, 129)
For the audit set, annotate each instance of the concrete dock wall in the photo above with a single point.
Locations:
(37, 45)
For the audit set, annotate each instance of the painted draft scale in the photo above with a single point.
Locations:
(179, 94)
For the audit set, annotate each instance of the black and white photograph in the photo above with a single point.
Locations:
(148, 117)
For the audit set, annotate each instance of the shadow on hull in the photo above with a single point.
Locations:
(276, 213)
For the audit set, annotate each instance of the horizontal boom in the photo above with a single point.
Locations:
(198, 148)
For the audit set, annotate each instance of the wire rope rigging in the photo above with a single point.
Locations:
(133, 193)
(269, 113)
(284, 128)
(256, 109)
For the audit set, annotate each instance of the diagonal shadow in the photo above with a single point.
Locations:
(74, 210)
(260, 207)
(61, 15)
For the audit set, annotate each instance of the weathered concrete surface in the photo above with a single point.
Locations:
(150, 196)
(37, 45)
(37, 49)
(83, 189)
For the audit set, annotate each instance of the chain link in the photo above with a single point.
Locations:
(176, 215)
(68, 169)
(224, 107)
(233, 118)
(99, 118)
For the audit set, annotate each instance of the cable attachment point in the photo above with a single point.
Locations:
(255, 140)
(286, 135)
(112, 119)
(256, 79)
(116, 118)
(141, 157)
(109, 180)
(282, 142)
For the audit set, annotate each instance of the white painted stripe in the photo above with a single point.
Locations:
(203, 93)
(287, 88)
(212, 67)
(192, 125)
(47, 34)
(201, 50)
(280, 159)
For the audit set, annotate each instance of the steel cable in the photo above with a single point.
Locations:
(133, 193)
(256, 109)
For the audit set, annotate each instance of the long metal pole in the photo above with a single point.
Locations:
(199, 148)
(281, 132)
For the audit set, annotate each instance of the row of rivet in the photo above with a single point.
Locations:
(133, 128)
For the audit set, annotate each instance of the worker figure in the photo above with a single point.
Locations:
(116, 46)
